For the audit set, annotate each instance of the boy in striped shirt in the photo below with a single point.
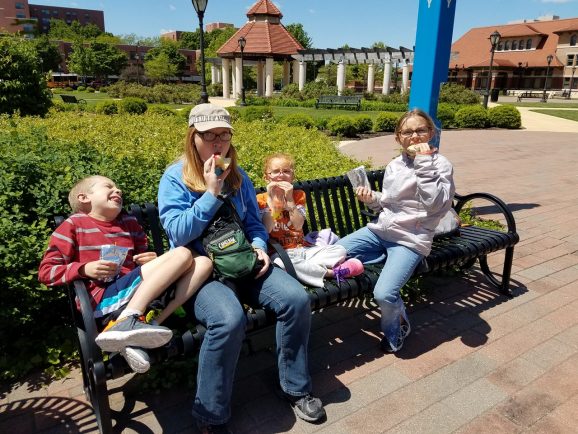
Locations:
(119, 293)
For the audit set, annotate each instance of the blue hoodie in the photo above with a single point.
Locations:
(185, 214)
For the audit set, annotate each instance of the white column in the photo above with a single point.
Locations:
(386, 77)
(340, 77)
(295, 71)
(285, 73)
(219, 75)
(405, 77)
(302, 74)
(370, 77)
(213, 73)
(238, 77)
(269, 77)
(226, 75)
(233, 80)
(260, 78)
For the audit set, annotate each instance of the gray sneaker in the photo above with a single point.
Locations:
(137, 358)
(132, 331)
(404, 331)
(307, 407)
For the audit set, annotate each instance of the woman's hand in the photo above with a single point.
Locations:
(143, 258)
(214, 183)
(364, 194)
(99, 270)
(263, 256)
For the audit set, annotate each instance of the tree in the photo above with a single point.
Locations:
(22, 84)
(48, 53)
(296, 29)
(108, 59)
(170, 49)
(160, 68)
(61, 31)
(81, 60)
(191, 40)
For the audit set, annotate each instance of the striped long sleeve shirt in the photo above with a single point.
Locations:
(78, 240)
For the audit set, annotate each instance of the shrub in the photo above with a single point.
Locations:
(505, 116)
(215, 89)
(474, 116)
(133, 106)
(383, 106)
(291, 91)
(445, 114)
(458, 94)
(363, 124)
(107, 108)
(161, 110)
(342, 125)
(386, 121)
(321, 123)
(256, 113)
(298, 120)
(89, 89)
(81, 88)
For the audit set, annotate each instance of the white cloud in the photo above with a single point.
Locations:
(166, 31)
(172, 7)
(312, 11)
(556, 1)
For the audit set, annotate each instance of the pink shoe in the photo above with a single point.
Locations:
(351, 267)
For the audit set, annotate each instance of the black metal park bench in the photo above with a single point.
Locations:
(338, 101)
(71, 99)
(331, 203)
(531, 95)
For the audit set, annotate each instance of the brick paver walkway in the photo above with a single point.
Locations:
(475, 362)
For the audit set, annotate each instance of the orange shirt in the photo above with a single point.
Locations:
(282, 231)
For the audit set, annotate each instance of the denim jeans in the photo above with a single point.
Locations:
(218, 309)
(399, 265)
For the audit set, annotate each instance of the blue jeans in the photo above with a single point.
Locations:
(364, 245)
(219, 310)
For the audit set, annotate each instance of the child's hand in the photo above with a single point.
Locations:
(143, 258)
(99, 270)
(419, 148)
(287, 189)
(364, 194)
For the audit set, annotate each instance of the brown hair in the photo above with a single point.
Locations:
(82, 186)
(281, 156)
(415, 112)
(193, 166)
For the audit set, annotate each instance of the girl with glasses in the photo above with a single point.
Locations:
(418, 189)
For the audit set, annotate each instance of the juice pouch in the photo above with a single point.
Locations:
(116, 254)
(358, 177)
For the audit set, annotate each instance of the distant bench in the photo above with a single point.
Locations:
(71, 99)
(531, 95)
(339, 101)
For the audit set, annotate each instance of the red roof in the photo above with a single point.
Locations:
(473, 49)
(264, 37)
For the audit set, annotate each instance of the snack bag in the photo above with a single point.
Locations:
(221, 164)
(358, 177)
(277, 208)
(113, 253)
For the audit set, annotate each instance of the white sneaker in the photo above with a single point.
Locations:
(137, 358)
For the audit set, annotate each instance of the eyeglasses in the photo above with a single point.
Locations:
(278, 172)
(211, 137)
(419, 132)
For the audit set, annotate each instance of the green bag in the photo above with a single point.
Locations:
(227, 246)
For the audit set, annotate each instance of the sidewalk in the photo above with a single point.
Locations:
(475, 361)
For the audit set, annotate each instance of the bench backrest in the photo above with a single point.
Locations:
(331, 203)
(69, 98)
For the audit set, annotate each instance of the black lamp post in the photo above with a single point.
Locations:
(549, 60)
(494, 40)
(571, 82)
(200, 6)
(242, 42)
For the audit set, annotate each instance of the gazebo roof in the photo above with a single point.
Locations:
(264, 33)
(356, 55)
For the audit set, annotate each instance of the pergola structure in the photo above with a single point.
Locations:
(267, 40)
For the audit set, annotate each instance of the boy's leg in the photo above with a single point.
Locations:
(188, 284)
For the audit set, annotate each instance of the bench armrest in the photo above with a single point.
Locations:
(78, 297)
(462, 200)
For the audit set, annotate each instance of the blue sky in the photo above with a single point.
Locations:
(330, 23)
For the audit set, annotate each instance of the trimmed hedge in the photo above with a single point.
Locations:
(474, 116)
(386, 121)
(505, 116)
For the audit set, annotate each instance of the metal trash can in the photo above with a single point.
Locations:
(494, 95)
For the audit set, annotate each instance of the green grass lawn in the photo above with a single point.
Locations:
(566, 114)
(549, 104)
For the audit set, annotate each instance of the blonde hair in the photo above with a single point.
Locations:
(193, 166)
(415, 113)
(81, 187)
(281, 156)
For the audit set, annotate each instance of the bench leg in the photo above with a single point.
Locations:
(504, 284)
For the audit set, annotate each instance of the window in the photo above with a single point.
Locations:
(20, 15)
(500, 46)
(529, 44)
(514, 45)
(507, 45)
(19, 5)
(521, 44)
(570, 60)
(572, 40)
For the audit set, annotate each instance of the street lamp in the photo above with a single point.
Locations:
(200, 6)
(549, 60)
(494, 40)
(242, 42)
(572, 82)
